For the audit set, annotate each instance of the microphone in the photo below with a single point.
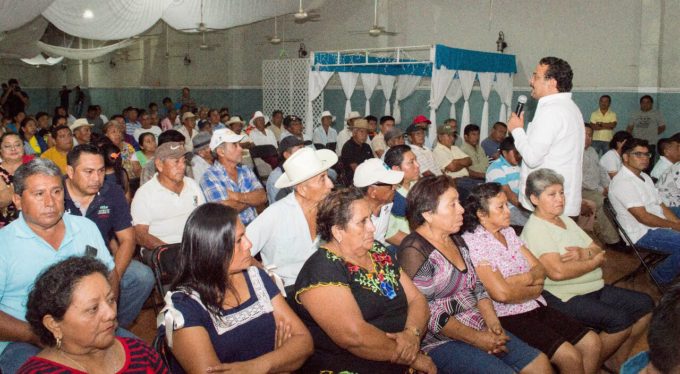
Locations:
(521, 100)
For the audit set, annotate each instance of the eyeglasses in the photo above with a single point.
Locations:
(641, 154)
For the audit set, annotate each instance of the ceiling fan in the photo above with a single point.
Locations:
(205, 46)
(375, 30)
(201, 26)
(276, 39)
(303, 16)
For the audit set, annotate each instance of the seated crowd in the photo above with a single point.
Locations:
(365, 250)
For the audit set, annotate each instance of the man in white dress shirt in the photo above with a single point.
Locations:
(260, 134)
(669, 149)
(555, 138)
(325, 134)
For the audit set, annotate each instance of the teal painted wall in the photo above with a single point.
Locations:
(246, 101)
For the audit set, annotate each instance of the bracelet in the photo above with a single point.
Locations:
(416, 331)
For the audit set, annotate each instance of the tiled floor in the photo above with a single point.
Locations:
(617, 264)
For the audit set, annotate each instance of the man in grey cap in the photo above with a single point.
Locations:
(161, 206)
(393, 137)
(202, 158)
(288, 146)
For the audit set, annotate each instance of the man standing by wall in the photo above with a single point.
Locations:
(555, 138)
(647, 124)
(603, 122)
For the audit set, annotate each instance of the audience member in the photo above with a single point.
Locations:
(147, 143)
(603, 121)
(222, 313)
(372, 125)
(453, 161)
(491, 145)
(426, 160)
(11, 157)
(647, 124)
(230, 183)
(113, 165)
(505, 171)
(514, 279)
(165, 137)
(202, 158)
(573, 264)
(63, 144)
(72, 310)
(82, 131)
(611, 161)
(293, 127)
(131, 121)
(33, 144)
(187, 100)
(285, 244)
(260, 134)
(235, 123)
(41, 236)
(114, 132)
(120, 120)
(161, 206)
(555, 137)
(356, 150)
(364, 313)
(168, 123)
(424, 123)
(471, 147)
(146, 126)
(287, 147)
(378, 142)
(86, 194)
(393, 137)
(463, 332)
(325, 133)
(378, 182)
(595, 188)
(276, 123)
(669, 154)
(92, 117)
(188, 129)
(346, 133)
(663, 356)
(647, 221)
(401, 158)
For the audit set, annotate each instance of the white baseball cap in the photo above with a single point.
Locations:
(374, 171)
(224, 136)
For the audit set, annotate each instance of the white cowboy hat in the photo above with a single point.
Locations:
(327, 113)
(352, 115)
(258, 114)
(305, 164)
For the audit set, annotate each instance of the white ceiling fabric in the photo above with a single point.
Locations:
(83, 53)
(41, 60)
(20, 43)
(16, 13)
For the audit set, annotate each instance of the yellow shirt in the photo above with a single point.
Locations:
(56, 157)
(603, 135)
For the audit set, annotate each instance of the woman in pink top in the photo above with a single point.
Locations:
(513, 277)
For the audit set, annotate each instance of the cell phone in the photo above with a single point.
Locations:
(90, 251)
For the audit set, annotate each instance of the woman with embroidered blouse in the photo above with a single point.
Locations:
(364, 313)
(514, 279)
(223, 315)
(464, 334)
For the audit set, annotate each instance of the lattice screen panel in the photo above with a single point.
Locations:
(284, 87)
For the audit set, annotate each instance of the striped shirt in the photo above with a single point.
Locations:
(500, 171)
(450, 292)
(139, 358)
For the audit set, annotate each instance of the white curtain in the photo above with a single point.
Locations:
(315, 84)
(370, 81)
(387, 85)
(485, 80)
(120, 19)
(83, 53)
(349, 83)
(41, 60)
(20, 43)
(503, 86)
(453, 94)
(441, 80)
(405, 87)
(467, 80)
(16, 13)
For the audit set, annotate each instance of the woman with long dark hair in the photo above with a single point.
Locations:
(222, 313)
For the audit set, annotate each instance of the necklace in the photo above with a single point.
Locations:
(80, 366)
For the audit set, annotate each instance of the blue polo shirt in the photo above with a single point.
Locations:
(108, 210)
(24, 255)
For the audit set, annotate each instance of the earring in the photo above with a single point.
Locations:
(58, 343)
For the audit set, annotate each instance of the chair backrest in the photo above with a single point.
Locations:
(164, 264)
(611, 214)
(263, 151)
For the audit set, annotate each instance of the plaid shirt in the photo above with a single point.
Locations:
(216, 183)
